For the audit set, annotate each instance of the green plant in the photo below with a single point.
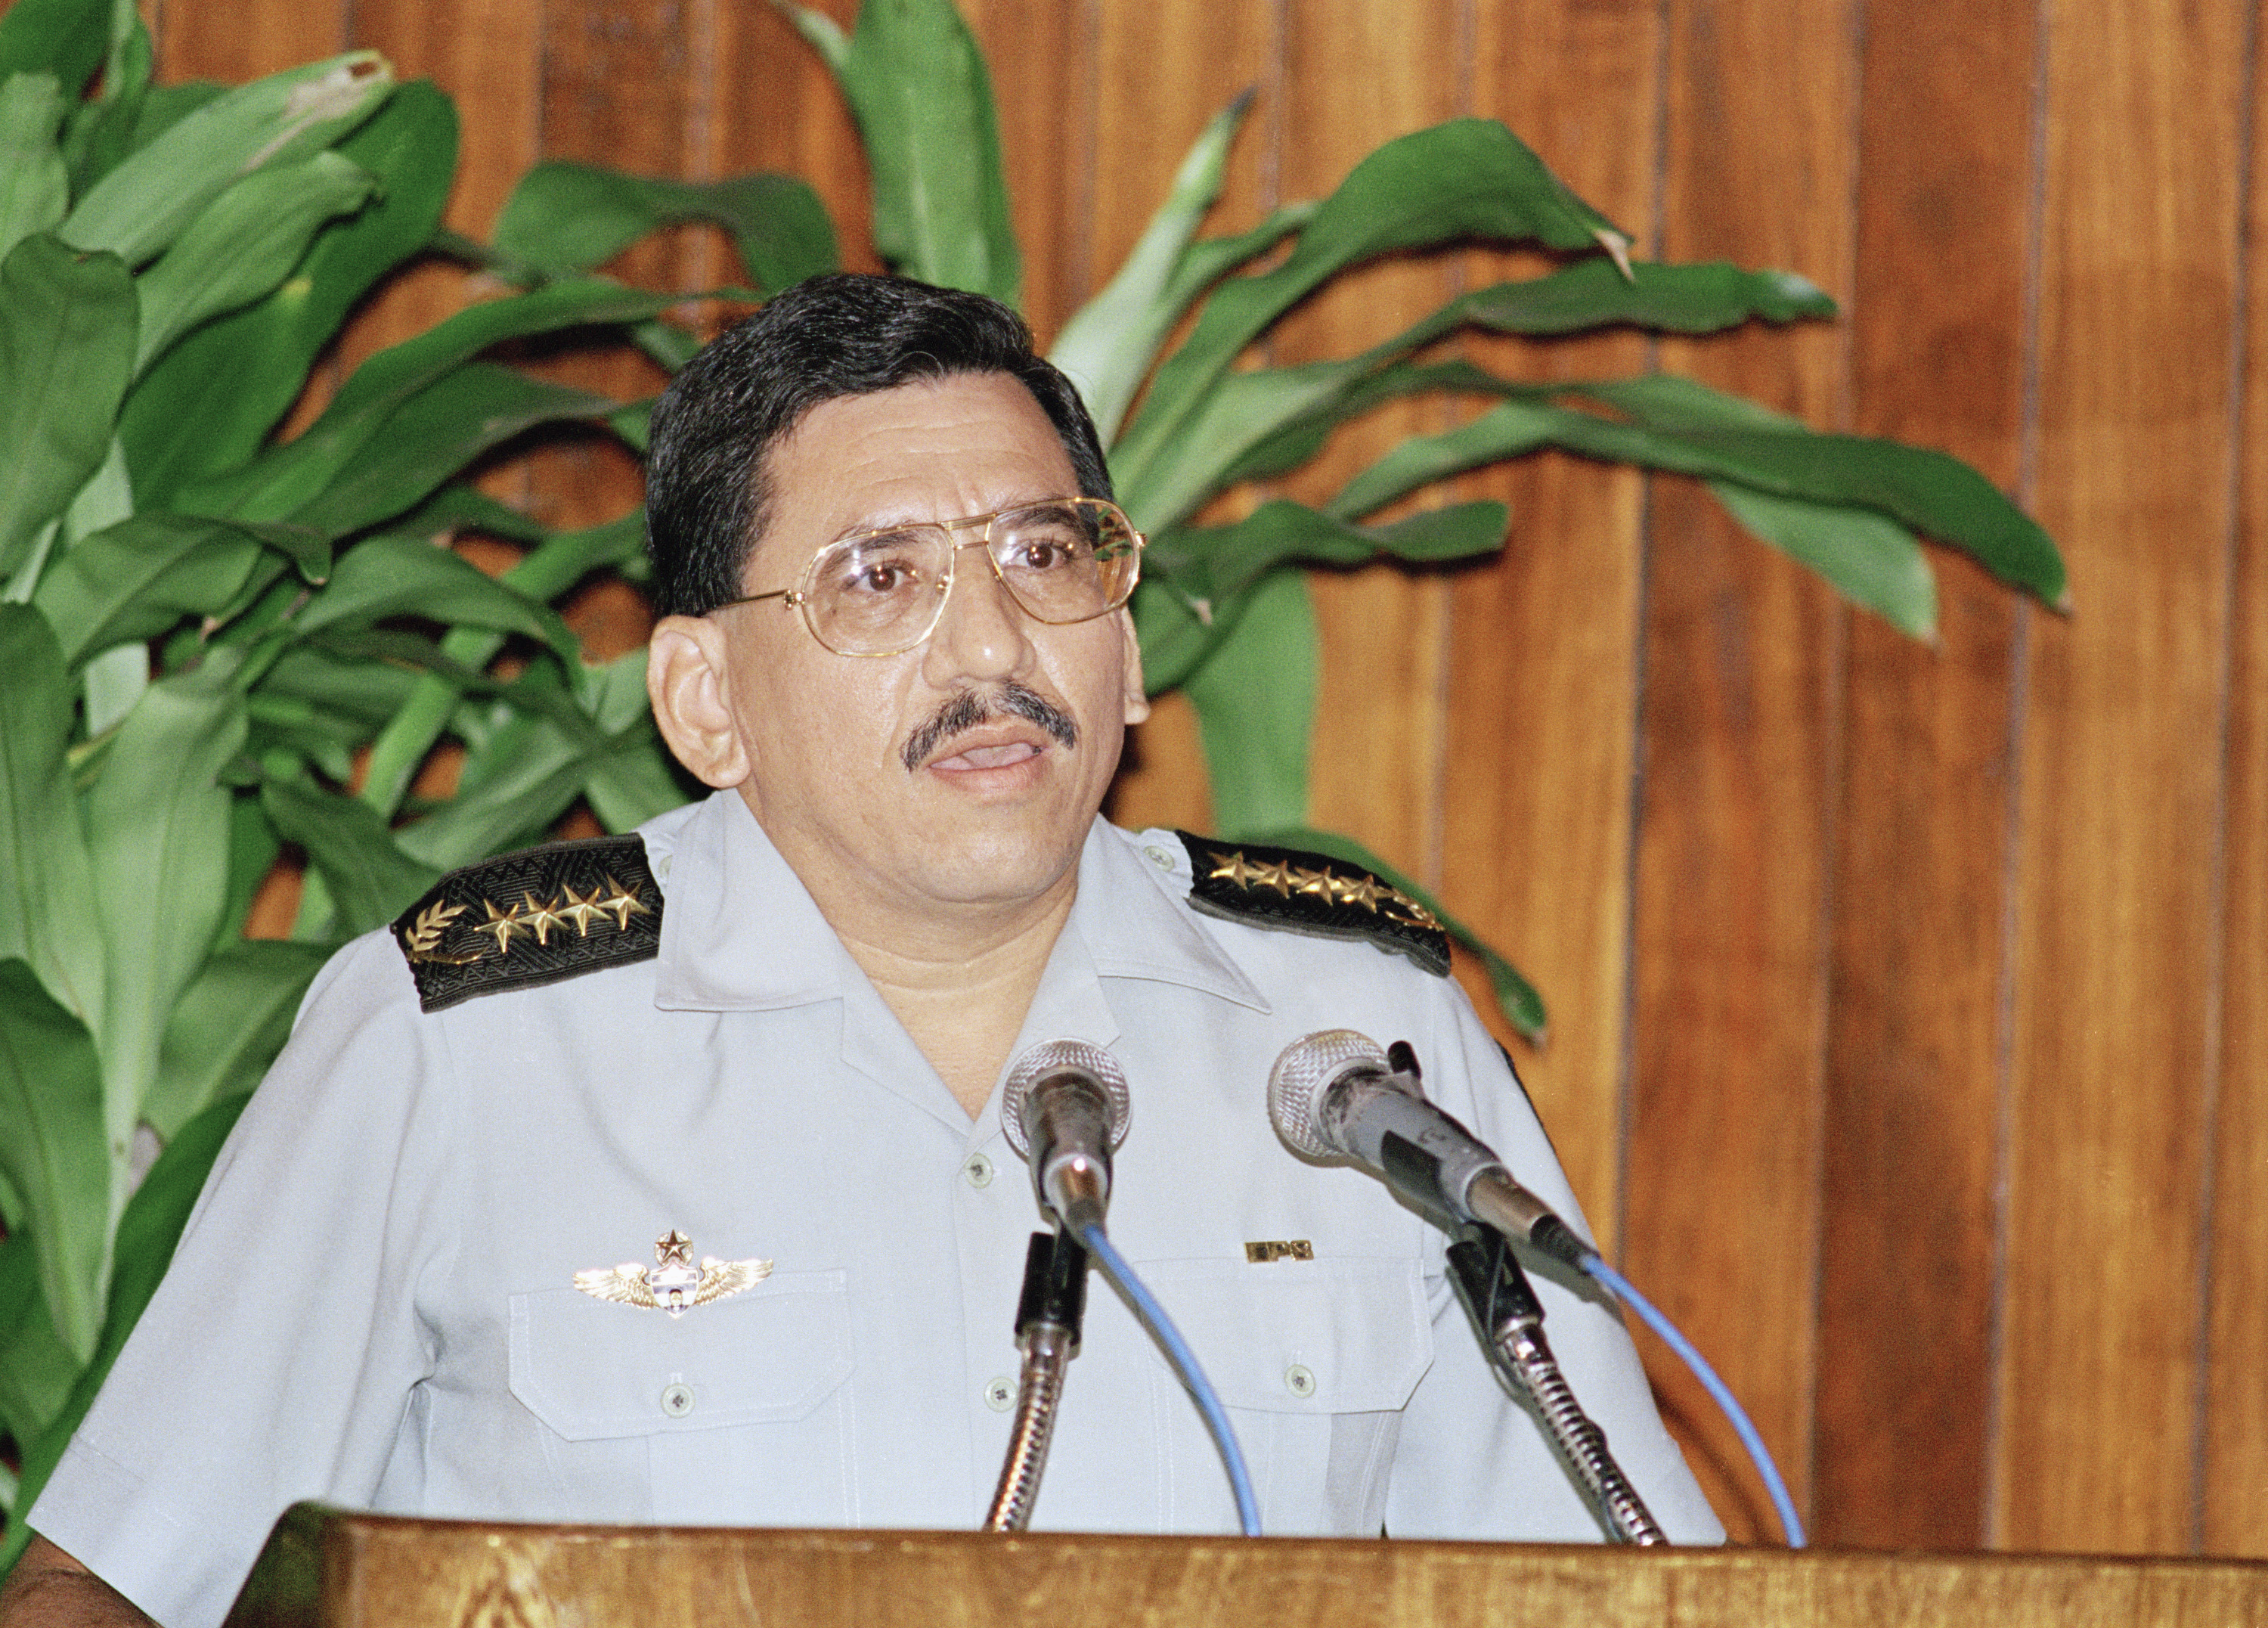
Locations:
(220, 644)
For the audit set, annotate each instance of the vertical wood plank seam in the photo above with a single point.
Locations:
(1837, 717)
(1626, 1051)
(1435, 859)
(2217, 941)
(700, 137)
(2027, 470)
(1078, 249)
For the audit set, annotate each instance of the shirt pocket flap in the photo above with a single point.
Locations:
(1301, 1336)
(590, 1369)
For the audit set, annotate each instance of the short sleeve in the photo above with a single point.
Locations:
(275, 1361)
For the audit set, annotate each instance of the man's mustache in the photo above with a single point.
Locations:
(972, 708)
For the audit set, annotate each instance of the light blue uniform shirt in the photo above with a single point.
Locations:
(374, 1304)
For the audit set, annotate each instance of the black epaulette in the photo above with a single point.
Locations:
(531, 917)
(1314, 893)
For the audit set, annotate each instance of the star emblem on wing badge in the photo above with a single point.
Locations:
(673, 1283)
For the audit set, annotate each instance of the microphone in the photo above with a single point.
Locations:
(1065, 1109)
(1334, 1094)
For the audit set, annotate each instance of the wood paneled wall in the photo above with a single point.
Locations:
(1909, 1033)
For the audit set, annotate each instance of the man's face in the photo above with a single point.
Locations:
(903, 775)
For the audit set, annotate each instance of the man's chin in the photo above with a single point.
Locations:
(997, 867)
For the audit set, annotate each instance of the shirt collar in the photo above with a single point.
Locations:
(741, 933)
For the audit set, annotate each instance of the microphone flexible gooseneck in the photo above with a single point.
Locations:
(1064, 1110)
(1334, 1094)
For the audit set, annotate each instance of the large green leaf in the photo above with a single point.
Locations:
(34, 190)
(391, 575)
(157, 831)
(140, 208)
(47, 886)
(1468, 179)
(917, 85)
(1867, 557)
(567, 217)
(370, 879)
(1210, 564)
(212, 399)
(1674, 300)
(292, 477)
(64, 38)
(52, 1148)
(434, 435)
(513, 787)
(228, 1027)
(66, 324)
(136, 578)
(147, 1233)
(1518, 427)
(1677, 425)
(1932, 492)
(1107, 347)
(243, 244)
(1515, 996)
(1256, 701)
(1265, 421)
(36, 1368)
(353, 685)
(548, 571)
(636, 782)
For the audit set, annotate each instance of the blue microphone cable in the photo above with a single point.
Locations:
(1185, 1363)
(1791, 1523)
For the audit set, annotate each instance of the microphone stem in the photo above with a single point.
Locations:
(1581, 1441)
(1047, 1351)
(1510, 1321)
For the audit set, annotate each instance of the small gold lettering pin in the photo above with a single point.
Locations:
(672, 1283)
(1260, 1253)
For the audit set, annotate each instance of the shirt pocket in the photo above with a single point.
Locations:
(740, 1405)
(1314, 1361)
(590, 1369)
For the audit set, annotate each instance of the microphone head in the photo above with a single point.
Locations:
(1060, 1056)
(1296, 1086)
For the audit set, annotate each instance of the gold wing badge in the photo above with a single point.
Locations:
(672, 1283)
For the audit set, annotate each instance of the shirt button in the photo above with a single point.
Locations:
(1000, 1394)
(1299, 1380)
(978, 1170)
(1159, 857)
(677, 1400)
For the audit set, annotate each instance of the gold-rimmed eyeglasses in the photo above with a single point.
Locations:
(881, 593)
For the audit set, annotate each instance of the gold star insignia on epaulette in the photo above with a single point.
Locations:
(672, 1283)
(623, 903)
(1233, 869)
(542, 919)
(1275, 874)
(1361, 890)
(578, 909)
(501, 924)
(1318, 883)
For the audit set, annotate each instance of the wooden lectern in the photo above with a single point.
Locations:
(353, 1570)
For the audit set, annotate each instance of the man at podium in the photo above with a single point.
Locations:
(661, 1179)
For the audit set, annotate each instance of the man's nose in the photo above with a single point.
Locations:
(984, 633)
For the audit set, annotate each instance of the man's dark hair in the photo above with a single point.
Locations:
(707, 488)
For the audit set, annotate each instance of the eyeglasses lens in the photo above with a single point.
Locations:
(1066, 560)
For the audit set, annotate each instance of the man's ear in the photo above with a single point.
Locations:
(688, 681)
(1137, 699)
